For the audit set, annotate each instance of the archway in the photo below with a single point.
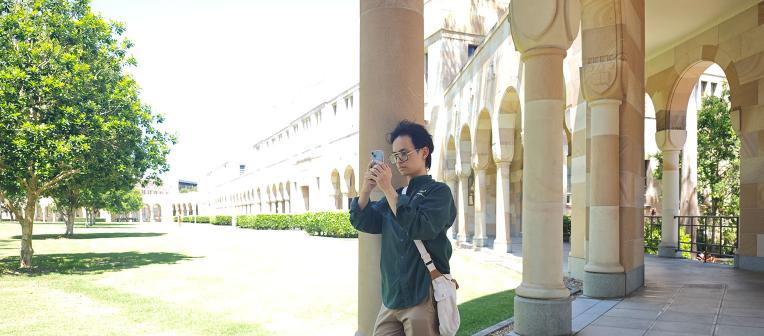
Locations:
(485, 182)
(465, 207)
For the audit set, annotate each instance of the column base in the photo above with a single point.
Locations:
(461, 239)
(668, 252)
(576, 267)
(750, 263)
(604, 285)
(543, 317)
(502, 247)
(478, 242)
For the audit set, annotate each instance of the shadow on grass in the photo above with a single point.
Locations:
(96, 235)
(485, 311)
(88, 263)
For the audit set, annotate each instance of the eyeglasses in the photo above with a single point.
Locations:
(401, 156)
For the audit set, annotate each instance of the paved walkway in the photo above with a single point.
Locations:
(680, 297)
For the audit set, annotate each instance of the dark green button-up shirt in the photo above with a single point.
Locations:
(424, 213)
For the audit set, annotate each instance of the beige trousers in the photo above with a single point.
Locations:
(419, 320)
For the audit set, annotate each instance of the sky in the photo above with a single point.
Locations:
(228, 73)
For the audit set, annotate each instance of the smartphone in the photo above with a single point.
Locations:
(378, 155)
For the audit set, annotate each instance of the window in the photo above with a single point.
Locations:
(471, 50)
(703, 88)
(242, 168)
(334, 108)
(713, 89)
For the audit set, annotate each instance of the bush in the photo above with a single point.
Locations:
(84, 220)
(220, 220)
(196, 219)
(565, 228)
(328, 224)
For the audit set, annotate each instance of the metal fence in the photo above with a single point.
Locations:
(652, 233)
(709, 237)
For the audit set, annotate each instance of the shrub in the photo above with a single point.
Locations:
(220, 220)
(197, 219)
(329, 224)
(565, 228)
(84, 220)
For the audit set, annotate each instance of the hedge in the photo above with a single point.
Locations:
(566, 228)
(195, 219)
(328, 224)
(84, 220)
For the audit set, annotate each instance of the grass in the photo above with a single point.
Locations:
(159, 279)
(480, 313)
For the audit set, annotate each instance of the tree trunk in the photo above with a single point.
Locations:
(26, 239)
(69, 222)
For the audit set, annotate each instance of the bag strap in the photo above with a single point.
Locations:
(434, 273)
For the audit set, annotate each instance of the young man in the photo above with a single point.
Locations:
(423, 210)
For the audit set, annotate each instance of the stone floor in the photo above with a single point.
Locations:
(680, 297)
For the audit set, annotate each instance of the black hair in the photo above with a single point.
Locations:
(418, 134)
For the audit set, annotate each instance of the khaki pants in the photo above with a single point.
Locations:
(419, 320)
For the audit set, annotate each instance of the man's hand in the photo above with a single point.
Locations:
(383, 176)
(368, 182)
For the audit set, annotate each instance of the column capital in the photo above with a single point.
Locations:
(670, 140)
(503, 153)
(549, 24)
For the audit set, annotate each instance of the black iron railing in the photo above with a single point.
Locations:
(709, 237)
(652, 234)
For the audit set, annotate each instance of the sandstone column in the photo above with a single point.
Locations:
(461, 208)
(481, 200)
(452, 182)
(670, 142)
(604, 275)
(502, 244)
(391, 89)
(542, 31)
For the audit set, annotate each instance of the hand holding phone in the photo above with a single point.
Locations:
(378, 155)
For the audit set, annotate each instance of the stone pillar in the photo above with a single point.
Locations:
(461, 209)
(542, 32)
(604, 276)
(503, 243)
(345, 204)
(670, 142)
(391, 89)
(452, 182)
(481, 200)
(579, 193)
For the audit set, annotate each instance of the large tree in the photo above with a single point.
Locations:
(66, 103)
(719, 159)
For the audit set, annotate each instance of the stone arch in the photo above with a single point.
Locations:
(507, 147)
(670, 89)
(350, 181)
(157, 213)
(485, 177)
(259, 200)
(283, 198)
(336, 188)
(191, 209)
(464, 170)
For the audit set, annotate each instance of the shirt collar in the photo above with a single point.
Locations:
(417, 182)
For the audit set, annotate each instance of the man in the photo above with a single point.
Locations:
(423, 210)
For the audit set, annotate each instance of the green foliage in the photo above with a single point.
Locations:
(328, 224)
(72, 121)
(220, 220)
(195, 219)
(566, 228)
(119, 201)
(718, 158)
(84, 220)
(658, 172)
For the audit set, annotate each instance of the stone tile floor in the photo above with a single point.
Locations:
(680, 297)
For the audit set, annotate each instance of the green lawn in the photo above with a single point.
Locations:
(162, 279)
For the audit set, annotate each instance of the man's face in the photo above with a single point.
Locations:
(414, 161)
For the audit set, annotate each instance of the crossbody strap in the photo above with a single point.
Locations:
(434, 273)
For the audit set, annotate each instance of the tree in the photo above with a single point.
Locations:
(719, 161)
(67, 105)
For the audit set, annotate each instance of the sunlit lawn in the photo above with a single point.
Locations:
(161, 279)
